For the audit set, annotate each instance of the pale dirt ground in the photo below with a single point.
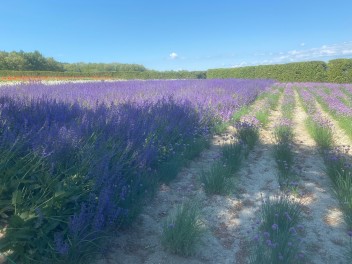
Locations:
(325, 230)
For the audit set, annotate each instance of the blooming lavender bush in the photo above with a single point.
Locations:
(320, 129)
(276, 236)
(339, 167)
(78, 160)
(248, 130)
(284, 156)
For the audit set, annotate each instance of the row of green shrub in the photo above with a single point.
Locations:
(148, 74)
(336, 71)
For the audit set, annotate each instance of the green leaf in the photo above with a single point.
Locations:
(16, 197)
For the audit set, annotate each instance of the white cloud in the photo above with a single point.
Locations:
(347, 52)
(242, 64)
(324, 52)
(173, 55)
(302, 44)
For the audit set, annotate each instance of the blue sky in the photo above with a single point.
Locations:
(175, 35)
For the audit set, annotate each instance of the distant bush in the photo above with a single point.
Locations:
(126, 75)
(340, 71)
(313, 71)
(337, 71)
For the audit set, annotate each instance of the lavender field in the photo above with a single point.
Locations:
(187, 171)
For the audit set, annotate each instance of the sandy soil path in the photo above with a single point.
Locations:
(325, 230)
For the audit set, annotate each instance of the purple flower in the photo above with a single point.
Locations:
(256, 238)
(268, 242)
(39, 221)
(292, 230)
(61, 246)
(266, 234)
(274, 226)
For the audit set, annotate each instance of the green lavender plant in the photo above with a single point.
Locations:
(182, 229)
(216, 180)
(276, 239)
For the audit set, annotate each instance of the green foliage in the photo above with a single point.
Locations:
(28, 61)
(339, 168)
(343, 190)
(322, 135)
(216, 180)
(34, 64)
(283, 134)
(169, 169)
(34, 204)
(126, 75)
(273, 100)
(283, 154)
(232, 155)
(287, 110)
(82, 67)
(244, 110)
(248, 135)
(263, 117)
(182, 229)
(277, 240)
(345, 122)
(340, 71)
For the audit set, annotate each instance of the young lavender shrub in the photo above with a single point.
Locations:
(244, 110)
(343, 191)
(339, 168)
(276, 237)
(263, 117)
(320, 130)
(283, 153)
(183, 229)
(273, 99)
(338, 104)
(232, 155)
(283, 131)
(248, 130)
(216, 180)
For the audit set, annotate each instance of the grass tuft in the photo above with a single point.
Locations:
(216, 180)
(182, 229)
(277, 238)
(232, 156)
(321, 134)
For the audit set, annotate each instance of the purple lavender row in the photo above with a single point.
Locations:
(311, 109)
(333, 97)
(220, 97)
(109, 141)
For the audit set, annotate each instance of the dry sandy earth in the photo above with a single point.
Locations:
(325, 230)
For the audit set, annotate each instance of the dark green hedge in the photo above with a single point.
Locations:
(339, 71)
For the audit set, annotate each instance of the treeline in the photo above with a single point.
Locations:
(28, 61)
(125, 75)
(102, 67)
(34, 64)
(336, 71)
(35, 61)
